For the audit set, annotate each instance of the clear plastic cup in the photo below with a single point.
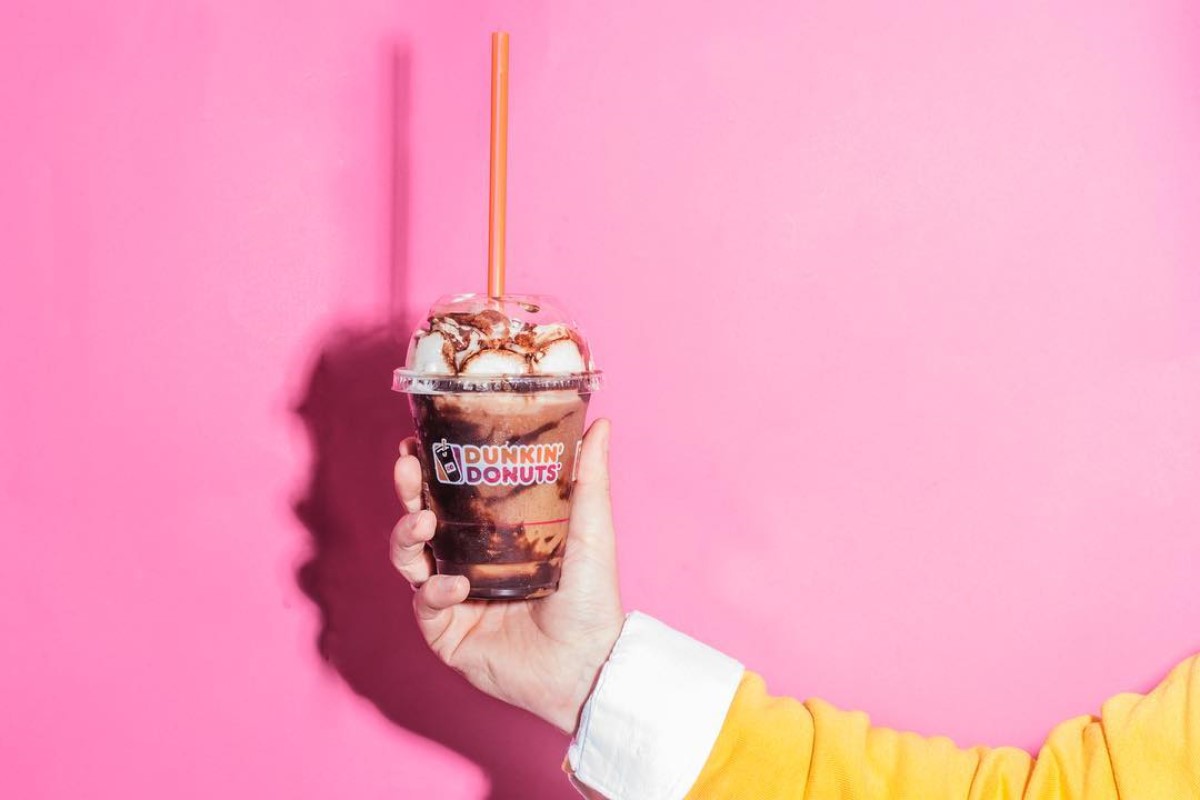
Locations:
(499, 427)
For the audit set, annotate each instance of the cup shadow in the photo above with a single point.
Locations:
(368, 634)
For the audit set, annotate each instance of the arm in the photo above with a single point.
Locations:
(1140, 746)
(646, 722)
(668, 714)
(789, 749)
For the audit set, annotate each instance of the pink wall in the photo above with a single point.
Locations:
(934, 454)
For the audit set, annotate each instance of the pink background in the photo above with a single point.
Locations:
(920, 434)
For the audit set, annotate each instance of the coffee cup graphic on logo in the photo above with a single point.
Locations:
(445, 464)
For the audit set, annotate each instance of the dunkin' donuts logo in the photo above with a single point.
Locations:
(497, 465)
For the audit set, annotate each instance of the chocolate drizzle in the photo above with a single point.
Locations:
(467, 334)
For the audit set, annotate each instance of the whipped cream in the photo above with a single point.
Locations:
(490, 342)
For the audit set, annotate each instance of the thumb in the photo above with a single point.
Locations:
(591, 528)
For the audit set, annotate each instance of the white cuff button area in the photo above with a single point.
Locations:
(656, 711)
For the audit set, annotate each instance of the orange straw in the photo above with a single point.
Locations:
(498, 174)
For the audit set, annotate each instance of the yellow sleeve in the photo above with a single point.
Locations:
(1140, 747)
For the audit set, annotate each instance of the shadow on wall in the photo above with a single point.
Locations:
(349, 507)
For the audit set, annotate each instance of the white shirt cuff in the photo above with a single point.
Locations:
(656, 711)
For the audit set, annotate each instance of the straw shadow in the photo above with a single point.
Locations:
(349, 506)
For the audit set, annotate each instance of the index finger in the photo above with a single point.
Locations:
(407, 474)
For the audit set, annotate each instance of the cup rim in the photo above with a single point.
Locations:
(412, 382)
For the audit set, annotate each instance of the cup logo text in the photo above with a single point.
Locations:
(497, 465)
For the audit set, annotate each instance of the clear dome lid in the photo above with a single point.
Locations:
(472, 342)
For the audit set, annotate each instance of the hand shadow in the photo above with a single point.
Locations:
(368, 632)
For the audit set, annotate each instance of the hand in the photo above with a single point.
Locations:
(542, 655)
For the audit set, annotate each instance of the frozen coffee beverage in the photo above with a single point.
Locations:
(499, 389)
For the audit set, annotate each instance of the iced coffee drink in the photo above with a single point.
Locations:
(499, 390)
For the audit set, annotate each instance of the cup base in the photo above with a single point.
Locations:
(500, 593)
(519, 581)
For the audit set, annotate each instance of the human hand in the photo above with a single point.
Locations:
(542, 655)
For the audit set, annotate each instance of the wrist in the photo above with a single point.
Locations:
(585, 672)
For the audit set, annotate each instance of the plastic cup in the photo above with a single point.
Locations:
(498, 454)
